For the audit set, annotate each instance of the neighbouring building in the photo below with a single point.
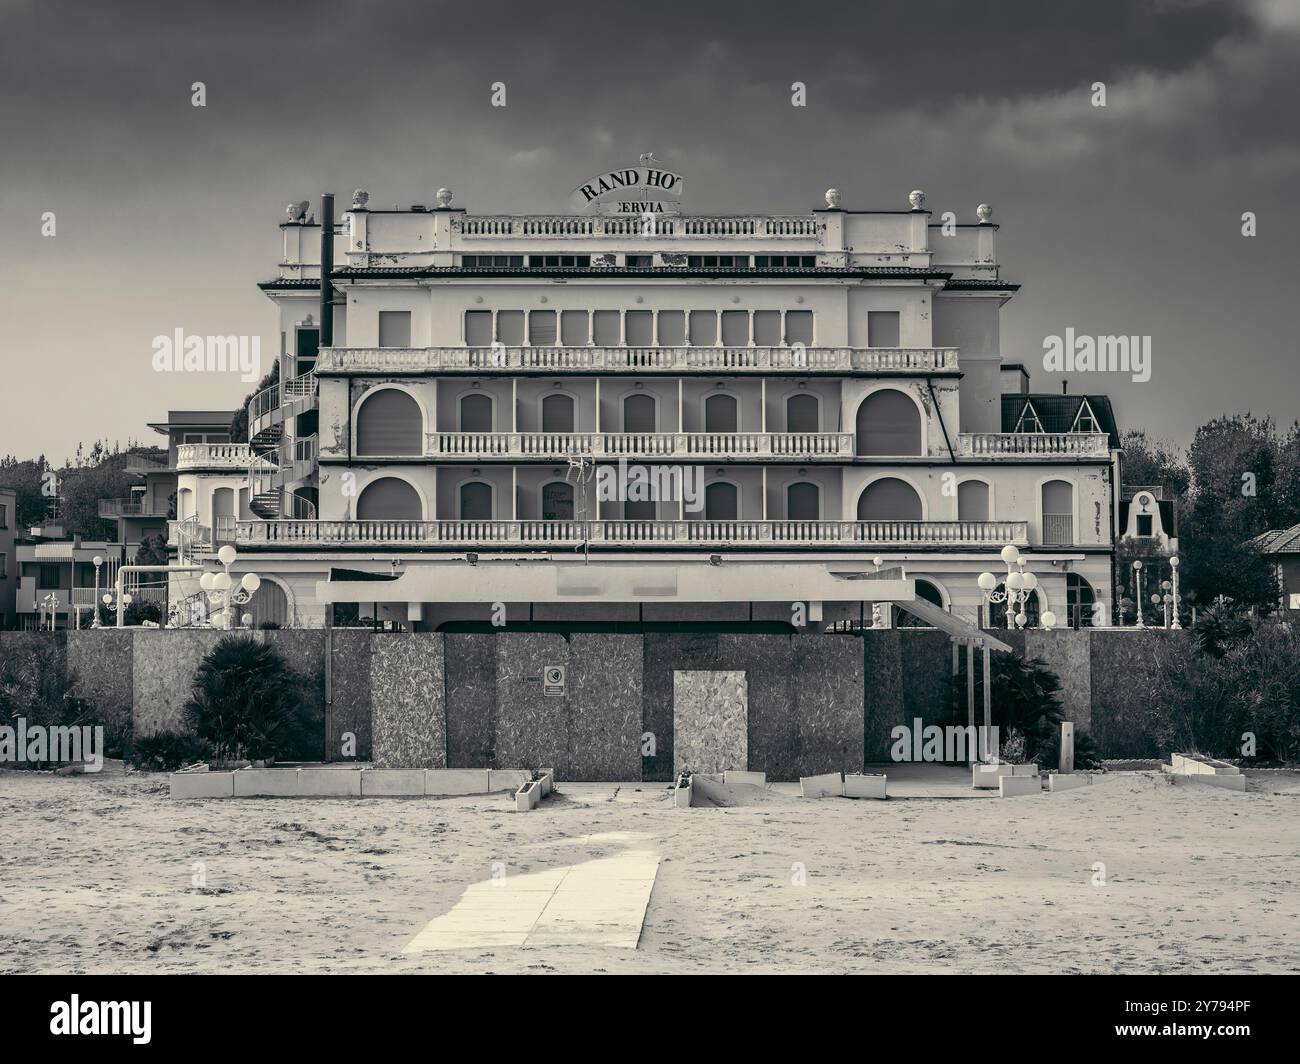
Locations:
(56, 577)
(1281, 548)
(596, 419)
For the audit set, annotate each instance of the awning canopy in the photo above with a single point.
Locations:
(954, 626)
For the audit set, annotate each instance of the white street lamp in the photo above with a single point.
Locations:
(1137, 593)
(1018, 586)
(225, 593)
(1173, 564)
(94, 623)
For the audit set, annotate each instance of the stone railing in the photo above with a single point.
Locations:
(864, 534)
(614, 445)
(587, 227)
(1033, 444)
(637, 359)
(221, 456)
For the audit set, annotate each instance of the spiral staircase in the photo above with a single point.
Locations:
(280, 464)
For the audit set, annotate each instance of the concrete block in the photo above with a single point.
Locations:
(202, 784)
(753, 779)
(329, 782)
(863, 785)
(985, 777)
(1227, 781)
(1018, 786)
(450, 781)
(392, 782)
(266, 782)
(828, 785)
(682, 795)
(548, 782)
(1058, 781)
(528, 796)
(707, 790)
(1024, 770)
(507, 779)
(1196, 764)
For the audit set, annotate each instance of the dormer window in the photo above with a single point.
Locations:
(1085, 420)
(1029, 420)
(1144, 525)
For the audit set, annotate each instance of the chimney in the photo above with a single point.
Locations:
(1065, 387)
(326, 269)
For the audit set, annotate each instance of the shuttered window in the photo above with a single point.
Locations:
(889, 499)
(607, 328)
(721, 502)
(889, 424)
(672, 328)
(767, 328)
(394, 328)
(735, 328)
(541, 328)
(640, 328)
(799, 327)
(478, 328)
(510, 327)
(802, 502)
(704, 328)
(476, 501)
(389, 423)
(557, 413)
(801, 414)
(476, 413)
(882, 328)
(720, 414)
(388, 499)
(573, 328)
(973, 501)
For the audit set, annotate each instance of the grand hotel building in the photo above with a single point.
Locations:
(833, 382)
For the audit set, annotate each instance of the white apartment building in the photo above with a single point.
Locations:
(673, 419)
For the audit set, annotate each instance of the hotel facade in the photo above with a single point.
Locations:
(649, 419)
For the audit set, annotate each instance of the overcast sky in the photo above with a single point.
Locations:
(1123, 219)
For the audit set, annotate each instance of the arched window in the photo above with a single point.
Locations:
(476, 413)
(269, 605)
(476, 501)
(928, 593)
(639, 413)
(1058, 513)
(972, 501)
(557, 413)
(639, 510)
(803, 502)
(389, 423)
(888, 424)
(389, 499)
(1080, 603)
(557, 501)
(721, 414)
(889, 499)
(721, 502)
(801, 413)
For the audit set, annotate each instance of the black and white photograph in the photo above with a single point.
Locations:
(717, 488)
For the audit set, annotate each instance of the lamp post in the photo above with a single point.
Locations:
(876, 613)
(1018, 586)
(225, 594)
(1137, 593)
(117, 604)
(94, 623)
(1173, 565)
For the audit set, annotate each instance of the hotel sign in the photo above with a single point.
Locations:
(646, 188)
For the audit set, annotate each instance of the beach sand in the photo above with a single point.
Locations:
(96, 876)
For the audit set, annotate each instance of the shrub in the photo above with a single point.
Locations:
(166, 751)
(1026, 701)
(1085, 751)
(1264, 676)
(247, 702)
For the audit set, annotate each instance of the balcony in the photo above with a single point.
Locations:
(804, 446)
(948, 535)
(139, 465)
(234, 457)
(641, 360)
(111, 508)
(587, 227)
(1033, 444)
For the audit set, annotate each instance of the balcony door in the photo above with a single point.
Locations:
(721, 414)
(801, 413)
(1058, 513)
(476, 413)
(639, 413)
(557, 413)
(557, 501)
(476, 501)
(721, 502)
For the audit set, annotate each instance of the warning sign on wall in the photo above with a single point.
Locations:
(553, 681)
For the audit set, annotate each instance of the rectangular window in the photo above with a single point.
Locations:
(735, 328)
(607, 328)
(394, 328)
(799, 327)
(640, 262)
(4, 516)
(510, 327)
(574, 326)
(4, 566)
(672, 328)
(1144, 525)
(48, 577)
(488, 261)
(704, 328)
(541, 328)
(569, 261)
(478, 328)
(640, 328)
(785, 262)
(767, 328)
(882, 328)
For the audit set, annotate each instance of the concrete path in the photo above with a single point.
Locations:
(596, 903)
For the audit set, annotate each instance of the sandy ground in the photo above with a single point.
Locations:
(95, 876)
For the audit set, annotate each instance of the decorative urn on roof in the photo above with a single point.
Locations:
(359, 199)
(833, 198)
(985, 212)
(916, 198)
(444, 197)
